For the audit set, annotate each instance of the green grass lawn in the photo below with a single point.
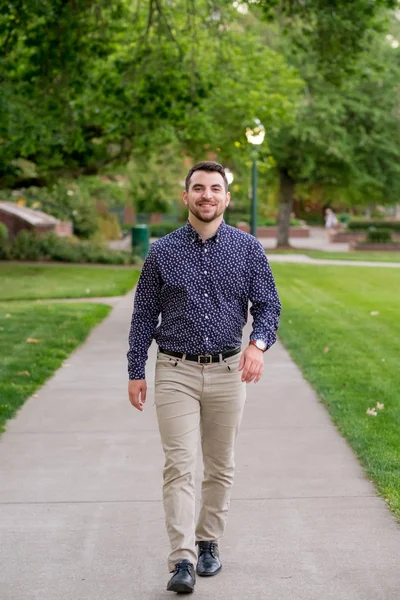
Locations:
(21, 282)
(369, 256)
(350, 356)
(54, 331)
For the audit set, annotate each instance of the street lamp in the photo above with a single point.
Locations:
(229, 176)
(255, 136)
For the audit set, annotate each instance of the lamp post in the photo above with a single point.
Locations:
(255, 136)
(229, 176)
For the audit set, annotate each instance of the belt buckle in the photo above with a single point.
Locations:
(205, 362)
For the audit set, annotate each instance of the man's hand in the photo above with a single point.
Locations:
(252, 363)
(137, 389)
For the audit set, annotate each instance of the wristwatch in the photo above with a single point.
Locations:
(259, 344)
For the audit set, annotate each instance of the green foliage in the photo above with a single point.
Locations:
(3, 241)
(380, 235)
(272, 222)
(336, 32)
(28, 246)
(84, 84)
(345, 140)
(364, 225)
(65, 250)
(154, 178)
(25, 246)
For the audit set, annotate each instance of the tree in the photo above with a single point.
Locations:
(335, 31)
(347, 138)
(86, 83)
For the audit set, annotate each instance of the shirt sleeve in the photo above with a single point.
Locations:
(145, 315)
(266, 306)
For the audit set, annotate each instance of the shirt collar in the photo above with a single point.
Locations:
(193, 235)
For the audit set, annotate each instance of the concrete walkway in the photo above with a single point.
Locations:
(303, 258)
(81, 516)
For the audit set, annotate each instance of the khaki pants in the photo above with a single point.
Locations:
(193, 399)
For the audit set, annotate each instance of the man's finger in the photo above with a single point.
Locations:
(241, 362)
(246, 370)
(259, 373)
(143, 393)
(135, 401)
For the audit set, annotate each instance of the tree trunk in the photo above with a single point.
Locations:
(286, 196)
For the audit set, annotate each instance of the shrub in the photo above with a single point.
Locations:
(358, 225)
(3, 241)
(26, 246)
(71, 250)
(60, 249)
(49, 246)
(379, 236)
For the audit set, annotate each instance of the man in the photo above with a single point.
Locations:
(200, 279)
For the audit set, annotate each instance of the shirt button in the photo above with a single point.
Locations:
(205, 249)
(205, 272)
(206, 316)
(206, 295)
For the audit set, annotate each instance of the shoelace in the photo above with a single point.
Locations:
(181, 566)
(208, 547)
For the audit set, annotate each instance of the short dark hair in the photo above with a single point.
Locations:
(210, 167)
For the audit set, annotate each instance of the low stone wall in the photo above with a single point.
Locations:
(272, 232)
(346, 236)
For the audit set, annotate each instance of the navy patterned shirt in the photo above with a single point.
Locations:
(201, 290)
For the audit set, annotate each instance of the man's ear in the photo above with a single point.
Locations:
(184, 196)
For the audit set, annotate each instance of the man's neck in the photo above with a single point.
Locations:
(205, 230)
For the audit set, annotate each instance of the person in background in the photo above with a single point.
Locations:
(330, 219)
(200, 279)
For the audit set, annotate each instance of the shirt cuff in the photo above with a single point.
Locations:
(136, 373)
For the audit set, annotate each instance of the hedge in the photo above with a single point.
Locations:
(365, 225)
(379, 236)
(27, 245)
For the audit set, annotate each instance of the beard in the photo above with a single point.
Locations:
(206, 216)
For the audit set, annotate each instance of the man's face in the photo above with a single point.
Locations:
(206, 198)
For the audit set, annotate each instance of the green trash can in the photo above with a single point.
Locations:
(140, 240)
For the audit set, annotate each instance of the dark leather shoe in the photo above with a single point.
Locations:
(183, 579)
(208, 563)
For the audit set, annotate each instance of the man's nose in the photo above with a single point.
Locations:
(207, 194)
